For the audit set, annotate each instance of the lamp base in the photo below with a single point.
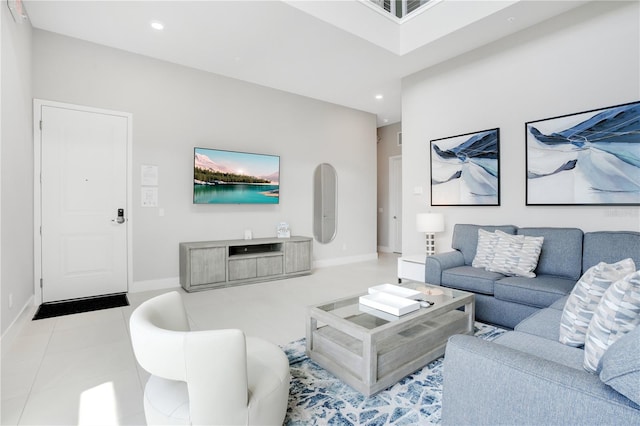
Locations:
(430, 244)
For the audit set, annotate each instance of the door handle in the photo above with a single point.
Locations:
(120, 218)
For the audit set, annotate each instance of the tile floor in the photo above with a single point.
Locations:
(80, 369)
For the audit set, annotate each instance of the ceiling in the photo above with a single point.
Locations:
(340, 51)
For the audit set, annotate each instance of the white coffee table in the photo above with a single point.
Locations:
(371, 350)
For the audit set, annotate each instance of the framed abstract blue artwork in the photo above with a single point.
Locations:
(465, 169)
(587, 158)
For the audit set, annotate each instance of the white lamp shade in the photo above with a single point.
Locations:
(430, 222)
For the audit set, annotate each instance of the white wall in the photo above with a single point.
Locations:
(585, 59)
(176, 108)
(387, 147)
(16, 169)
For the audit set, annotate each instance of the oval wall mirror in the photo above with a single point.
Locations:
(325, 203)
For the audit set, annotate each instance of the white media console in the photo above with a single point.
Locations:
(208, 264)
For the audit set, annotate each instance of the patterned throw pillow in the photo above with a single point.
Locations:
(586, 295)
(486, 248)
(617, 314)
(516, 255)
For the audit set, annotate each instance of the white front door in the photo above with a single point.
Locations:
(395, 201)
(83, 201)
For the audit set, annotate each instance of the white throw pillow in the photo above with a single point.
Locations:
(516, 255)
(617, 314)
(486, 248)
(585, 297)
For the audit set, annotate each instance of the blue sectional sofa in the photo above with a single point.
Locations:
(507, 300)
(526, 376)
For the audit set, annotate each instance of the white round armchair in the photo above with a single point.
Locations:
(206, 377)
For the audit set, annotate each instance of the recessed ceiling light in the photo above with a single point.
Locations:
(379, 96)
(157, 25)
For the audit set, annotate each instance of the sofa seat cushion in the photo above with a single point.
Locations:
(544, 323)
(540, 292)
(468, 278)
(559, 304)
(543, 348)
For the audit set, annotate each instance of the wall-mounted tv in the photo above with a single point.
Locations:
(232, 177)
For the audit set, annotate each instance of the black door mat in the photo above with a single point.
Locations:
(58, 309)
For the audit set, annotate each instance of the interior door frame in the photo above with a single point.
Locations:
(37, 187)
(395, 201)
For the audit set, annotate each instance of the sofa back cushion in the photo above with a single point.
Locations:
(610, 247)
(465, 238)
(561, 253)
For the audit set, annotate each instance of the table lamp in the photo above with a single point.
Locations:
(430, 223)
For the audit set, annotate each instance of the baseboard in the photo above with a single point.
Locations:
(25, 315)
(384, 249)
(344, 260)
(150, 285)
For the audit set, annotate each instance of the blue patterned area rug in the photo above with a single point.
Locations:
(317, 397)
